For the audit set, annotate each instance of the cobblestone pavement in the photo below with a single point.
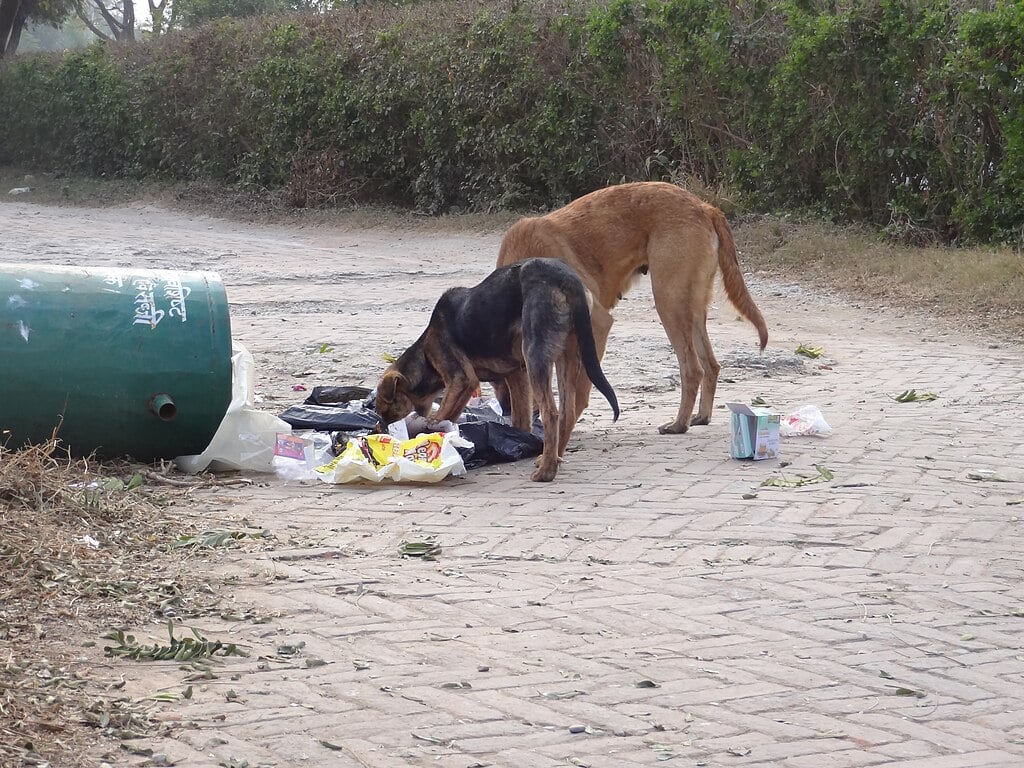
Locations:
(654, 605)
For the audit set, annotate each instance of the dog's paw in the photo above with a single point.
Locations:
(544, 474)
(700, 421)
(673, 428)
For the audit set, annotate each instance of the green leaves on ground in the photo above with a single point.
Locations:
(913, 396)
(213, 539)
(812, 352)
(823, 476)
(179, 649)
(428, 549)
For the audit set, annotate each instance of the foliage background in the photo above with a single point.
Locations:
(906, 115)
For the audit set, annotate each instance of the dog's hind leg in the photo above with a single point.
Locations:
(601, 323)
(676, 316)
(711, 367)
(544, 335)
(569, 368)
(540, 384)
(682, 265)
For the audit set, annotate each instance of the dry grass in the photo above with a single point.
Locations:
(984, 286)
(83, 548)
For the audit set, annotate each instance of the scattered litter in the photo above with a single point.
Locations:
(805, 420)
(346, 414)
(20, 191)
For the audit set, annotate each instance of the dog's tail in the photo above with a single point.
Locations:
(588, 350)
(732, 277)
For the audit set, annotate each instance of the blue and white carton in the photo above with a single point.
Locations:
(755, 432)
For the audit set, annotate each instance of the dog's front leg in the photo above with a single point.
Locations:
(517, 385)
(457, 393)
(457, 375)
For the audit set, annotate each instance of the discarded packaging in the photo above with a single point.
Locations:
(805, 420)
(754, 434)
(297, 455)
(427, 458)
(246, 437)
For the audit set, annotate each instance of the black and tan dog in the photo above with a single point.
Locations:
(513, 326)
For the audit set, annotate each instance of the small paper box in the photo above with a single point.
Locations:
(292, 446)
(755, 432)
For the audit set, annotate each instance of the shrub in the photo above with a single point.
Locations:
(906, 115)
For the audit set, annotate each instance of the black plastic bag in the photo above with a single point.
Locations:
(331, 418)
(334, 395)
(495, 442)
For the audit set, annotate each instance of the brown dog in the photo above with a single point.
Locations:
(514, 326)
(612, 236)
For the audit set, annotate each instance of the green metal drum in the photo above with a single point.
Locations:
(119, 361)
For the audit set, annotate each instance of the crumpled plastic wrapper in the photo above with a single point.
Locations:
(426, 458)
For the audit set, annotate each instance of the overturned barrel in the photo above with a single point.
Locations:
(118, 361)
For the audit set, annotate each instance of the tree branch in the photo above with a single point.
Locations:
(80, 12)
(120, 29)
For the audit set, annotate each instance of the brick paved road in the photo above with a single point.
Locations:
(653, 595)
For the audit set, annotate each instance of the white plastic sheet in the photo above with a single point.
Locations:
(246, 436)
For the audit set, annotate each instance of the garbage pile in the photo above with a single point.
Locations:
(337, 437)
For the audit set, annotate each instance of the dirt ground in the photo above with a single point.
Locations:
(656, 603)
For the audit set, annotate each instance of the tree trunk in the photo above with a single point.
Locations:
(9, 19)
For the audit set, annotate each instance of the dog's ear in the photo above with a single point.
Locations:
(388, 386)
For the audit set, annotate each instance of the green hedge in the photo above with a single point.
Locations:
(908, 115)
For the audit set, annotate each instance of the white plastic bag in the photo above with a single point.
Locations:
(245, 438)
(297, 455)
(805, 420)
